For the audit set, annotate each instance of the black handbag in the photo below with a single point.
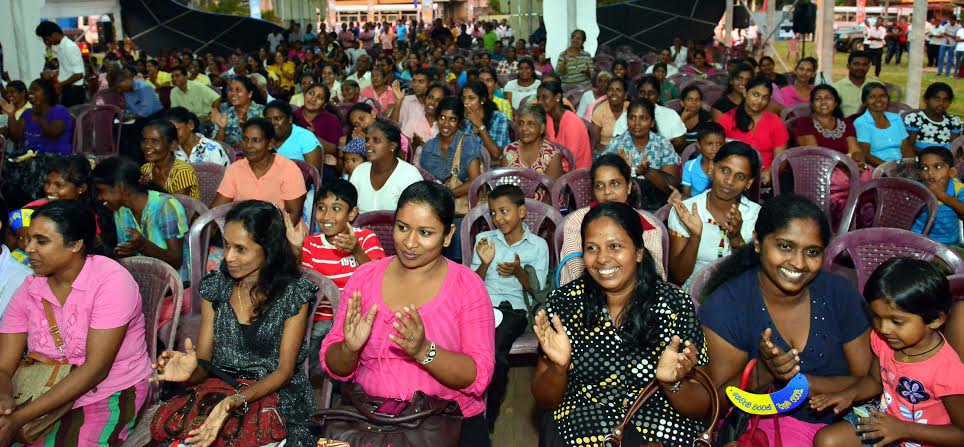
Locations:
(425, 421)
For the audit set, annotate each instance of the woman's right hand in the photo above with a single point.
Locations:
(397, 91)
(689, 218)
(553, 339)
(358, 328)
(218, 118)
(295, 234)
(486, 250)
(175, 366)
(783, 365)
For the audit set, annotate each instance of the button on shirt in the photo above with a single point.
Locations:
(71, 62)
(532, 250)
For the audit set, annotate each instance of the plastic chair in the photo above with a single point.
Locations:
(77, 110)
(663, 212)
(904, 168)
(193, 208)
(899, 107)
(574, 186)
(108, 97)
(97, 131)
(812, 167)
(567, 155)
(156, 281)
(896, 92)
(198, 242)
(382, 223)
(326, 290)
(956, 148)
(957, 286)
(530, 181)
(700, 278)
(802, 109)
(426, 175)
(870, 247)
(537, 214)
(689, 153)
(897, 203)
(312, 182)
(209, 176)
(712, 93)
(594, 136)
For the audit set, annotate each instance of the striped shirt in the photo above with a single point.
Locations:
(322, 257)
(182, 177)
(575, 69)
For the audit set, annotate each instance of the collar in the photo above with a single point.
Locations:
(526, 236)
(41, 289)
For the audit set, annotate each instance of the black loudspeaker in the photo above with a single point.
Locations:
(741, 18)
(805, 18)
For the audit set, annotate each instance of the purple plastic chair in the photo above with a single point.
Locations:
(538, 218)
(97, 131)
(566, 154)
(802, 109)
(108, 97)
(530, 181)
(198, 242)
(897, 203)
(712, 93)
(700, 279)
(870, 247)
(575, 187)
(312, 181)
(594, 135)
(812, 167)
(209, 176)
(326, 289)
(663, 212)
(956, 148)
(382, 223)
(957, 286)
(193, 208)
(904, 168)
(690, 152)
(426, 175)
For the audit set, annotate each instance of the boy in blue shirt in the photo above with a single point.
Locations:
(696, 172)
(499, 258)
(939, 175)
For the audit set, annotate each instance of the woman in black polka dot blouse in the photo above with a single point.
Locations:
(611, 332)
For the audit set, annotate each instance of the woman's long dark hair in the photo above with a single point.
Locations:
(744, 121)
(76, 169)
(617, 162)
(637, 322)
(75, 222)
(329, 107)
(776, 215)
(480, 90)
(265, 225)
(734, 73)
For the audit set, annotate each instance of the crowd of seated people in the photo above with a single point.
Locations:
(684, 248)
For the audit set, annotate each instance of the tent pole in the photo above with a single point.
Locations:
(915, 60)
(728, 32)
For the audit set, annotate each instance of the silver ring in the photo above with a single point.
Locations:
(412, 338)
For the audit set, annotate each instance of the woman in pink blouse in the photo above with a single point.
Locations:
(563, 126)
(97, 306)
(799, 91)
(753, 124)
(417, 321)
(379, 91)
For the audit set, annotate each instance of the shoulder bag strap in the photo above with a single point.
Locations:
(54, 328)
(457, 163)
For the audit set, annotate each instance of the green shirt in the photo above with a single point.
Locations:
(489, 39)
(849, 95)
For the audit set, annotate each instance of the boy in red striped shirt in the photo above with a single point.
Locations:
(338, 250)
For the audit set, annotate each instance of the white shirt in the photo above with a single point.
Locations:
(385, 198)
(670, 70)
(960, 44)
(588, 97)
(877, 32)
(12, 274)
(668, 123)
(519, 92)
(353, 55)
(71, 62)
(274, 39)
(936, 35)
(363, 82)
(709, 249)
(680, 59)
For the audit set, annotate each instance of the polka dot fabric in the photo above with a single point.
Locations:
(608, 374)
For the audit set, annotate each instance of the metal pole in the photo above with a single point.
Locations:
(728, 33)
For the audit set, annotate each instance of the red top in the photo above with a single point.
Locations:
(805, 126)
(322, 257)
(768, 134)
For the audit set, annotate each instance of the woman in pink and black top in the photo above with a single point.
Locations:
(432, 330)
(97, 306)
(753, 124)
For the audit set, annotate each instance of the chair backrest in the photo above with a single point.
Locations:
(899, 107)
(802, 109)
(312, 183)
(663, 232)
(663, 212)
(543, 220)
(897, 203)
(326, 290)
(573, 187)
(896, 92)
(156, 280)
(109, 97)
(956, 148)
(76, 110)
(382, 224)
(209, 176)
(904, 168)
(164, 95)
(812, 167)
(957, 286)
(193, 208)
(594, 135)
(568, 157)
(97, 131)
(691, 151)
(530, 181)
(871, 247)
(700, 278)
(198, 243)
(712, 93)
(426, 175)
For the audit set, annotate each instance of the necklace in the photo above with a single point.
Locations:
(908, 356)
(241, 303)
(835, 134)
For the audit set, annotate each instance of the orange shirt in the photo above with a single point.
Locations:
(283, 181)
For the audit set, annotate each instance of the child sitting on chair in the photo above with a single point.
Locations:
(938, 174)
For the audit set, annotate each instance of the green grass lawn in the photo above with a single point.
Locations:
(895, 74)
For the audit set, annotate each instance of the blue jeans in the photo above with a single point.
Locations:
(946, 59)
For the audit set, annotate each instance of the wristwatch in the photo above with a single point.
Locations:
(431, 354)
(482, 128)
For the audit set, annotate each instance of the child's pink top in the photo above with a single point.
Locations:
(573, 135)
(459, 319)
(913, 391)
(104, 296)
